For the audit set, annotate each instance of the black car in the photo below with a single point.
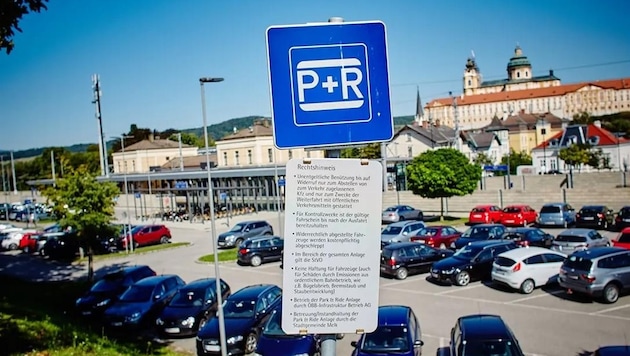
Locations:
(141, 303)
(63, 247)
(529, 236)
(404, 258)
(483, 335)
(478, 233)
(622, 220)
(245, 312)
(595, 216)
(109, 288)
(471, 262)
(4, 211)
(191, 308)
(256, 250)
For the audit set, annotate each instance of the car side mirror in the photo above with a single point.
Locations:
(158, 297)
(354, 344)
(405, 233)
(418, 343)
(247, 230)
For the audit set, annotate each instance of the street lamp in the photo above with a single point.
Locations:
(4, 189)
(129, 245)
(217, 277)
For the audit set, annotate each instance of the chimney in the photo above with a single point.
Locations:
(234, 129)
(251, 129)
(150, 137)
(437, 123)
(551, 72)
(597, 123)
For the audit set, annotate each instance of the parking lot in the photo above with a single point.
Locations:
(546, 322)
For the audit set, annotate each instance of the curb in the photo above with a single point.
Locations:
(81, 263)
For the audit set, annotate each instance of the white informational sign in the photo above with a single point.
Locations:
(331, 246)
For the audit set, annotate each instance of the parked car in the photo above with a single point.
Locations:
(527, 268)
(257, 250)
(63, 247)
(575, 239)
(485, 214)
(139, 306)
(242, 231)
(603, 272)
(144, 235)
(622, 220)
(479, 233)
(623, 239)
(595, 216)
(556, 214)
(28, 242)
(244, 312)
(518, 215)
(471, 262)
(401, 212)
(404, 258)
(191, 308)
(4, 211)
(43, 240)
(529, 236)
(436, 236)
(616, 350)
(398, 333)
(400, 232)
(274, 341)
(108, 289)
(12, 240)
(483, 335)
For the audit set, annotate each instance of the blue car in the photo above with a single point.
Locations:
(479, 233)
(273, 341)
(139, 305)
(483, 335)
(244, 312)
(398, 333)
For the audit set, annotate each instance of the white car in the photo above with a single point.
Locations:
(6, 226)
(12, 239)
(527, 268)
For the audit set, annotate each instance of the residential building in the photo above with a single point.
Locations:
(411, 140)
(253, 146)
(615, 150)
(493, 142)
(481, 100)
(191, 162)
(152, 152)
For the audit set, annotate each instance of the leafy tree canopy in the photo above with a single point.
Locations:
(11, 12)
(575, 155)
(482, 159)
(369, 151)
(516, 159)
(188, 139)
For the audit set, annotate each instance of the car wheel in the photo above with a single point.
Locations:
(13, 247)
(401, 218)
(443, 246)
(566, 224)
(135, 245)
(164, 239)
(420, 217)
(27, 249)
(268, 233)
(611, 293)
(462, 279)
(256, 261)
(402, 273)
(251, 342)
(527, 287)
(238, 242)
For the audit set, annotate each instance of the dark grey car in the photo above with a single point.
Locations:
(242, 231)
(573, 240)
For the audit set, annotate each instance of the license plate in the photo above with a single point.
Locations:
(212, 347)
(172, 330)
(117, 323)
(420, 241)
(588, 218)
(221, 243)
(476, 216)
(87, 312)
(626, 220)
(383, 268)
(499, 272)
(509, 221)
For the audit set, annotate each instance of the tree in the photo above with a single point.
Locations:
(482, 159)
(516, 159)
(583, 118)
(188, 139)
(442, 173)
(575, 155)
(86, 205)
(11, 12)
(369, 151)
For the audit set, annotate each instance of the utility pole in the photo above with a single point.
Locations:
(181, 156)
(455, 121)
(15, 191)
(102, 150)
(4, 189)
(431, 128)
(52, 165)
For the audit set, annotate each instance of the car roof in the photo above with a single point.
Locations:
(576, 232)
(625, 230)
(404, 223)
(251, 292)
(486, 243)
(127, 270)
(613, 350)
(517, 206)
(488, 225)
(523, 253)
(153, 280)
(483, 326)
(599, 252)
(522, 229)
(397, 245)
(437, 226)
(593, 206)
(200, 283)
(262, 237)
(554, 204)
(251, 222)
(393, 315)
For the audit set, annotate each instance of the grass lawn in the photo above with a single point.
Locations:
(224, 256)
(36, 319)
(138, 251)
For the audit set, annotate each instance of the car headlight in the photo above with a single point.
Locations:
(229, 238)
(102, 303)
(453, 245)
(159, 321)
(189, 321)
(304, 354)
(78, 301)
(449, 271)
(234, 339)
(134, 317)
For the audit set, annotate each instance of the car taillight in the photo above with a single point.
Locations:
(577, 215)
(517, 267)
(588, 278)
(520, 216)
(391, 262)
(524, 243)
(243, 251)
(600, 215)
(618, 218)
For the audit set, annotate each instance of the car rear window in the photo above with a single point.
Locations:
(504, 261)
(550, 209)
(479, 210)
(579, 263)
(570, 238)
(512, 210)
(624, 212)
(387, 253)
(624, 238)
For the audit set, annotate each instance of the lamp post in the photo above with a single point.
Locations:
(129, 245)
(543, 131)
(15, 191)
(217, 277)
(4, 189)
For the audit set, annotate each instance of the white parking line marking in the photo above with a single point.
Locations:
(535, 297)
(459, 289)
(610, 309)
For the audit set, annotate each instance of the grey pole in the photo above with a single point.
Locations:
(15, 191)
(52, 164)
(181, 157)
(277, 188)
(122, 144)
(4, 188)
(213, 230)
(96, 85)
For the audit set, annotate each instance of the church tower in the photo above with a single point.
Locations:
(519, 67)
(472, 77)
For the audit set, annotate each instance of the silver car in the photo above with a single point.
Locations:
(573, 240)
(400, 232)
(556, 214)
(401, 212)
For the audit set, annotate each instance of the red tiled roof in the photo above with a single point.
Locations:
(623, 83)
(606, 138)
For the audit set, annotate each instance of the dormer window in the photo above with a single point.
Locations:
(593, 140)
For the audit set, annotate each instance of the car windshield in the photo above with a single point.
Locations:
(570, 238)
(625, 237)
(624, 212)
(428, 232)
(590, 209)
(107, 284)
(479, 210)
(136, 229)
(188, 298)
(550, 209)
(512, 209)
(239, 308)
(578, 263)
(237, 228)
(467, 252)
(274, 327)
(137, 294)
(489, 347)
(392, 208)
(387, 339)
(391, 230)
(477, 232)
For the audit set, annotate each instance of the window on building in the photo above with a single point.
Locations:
(119, 167)
(270, 155)
(526, 74)
(249, 156)
(553, 165)
(290, 154)
(236, 160)
(543, 163)
(469, 82)
(518, 74)
(308, 154)
(133, 165)
(225, 162)
(410, 152)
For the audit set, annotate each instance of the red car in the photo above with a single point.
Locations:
(623, 240)
(436, 236)
(143, 235)
(485, 214)
(28, 242)
(518, 215)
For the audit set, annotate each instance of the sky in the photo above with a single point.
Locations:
(149, 55)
